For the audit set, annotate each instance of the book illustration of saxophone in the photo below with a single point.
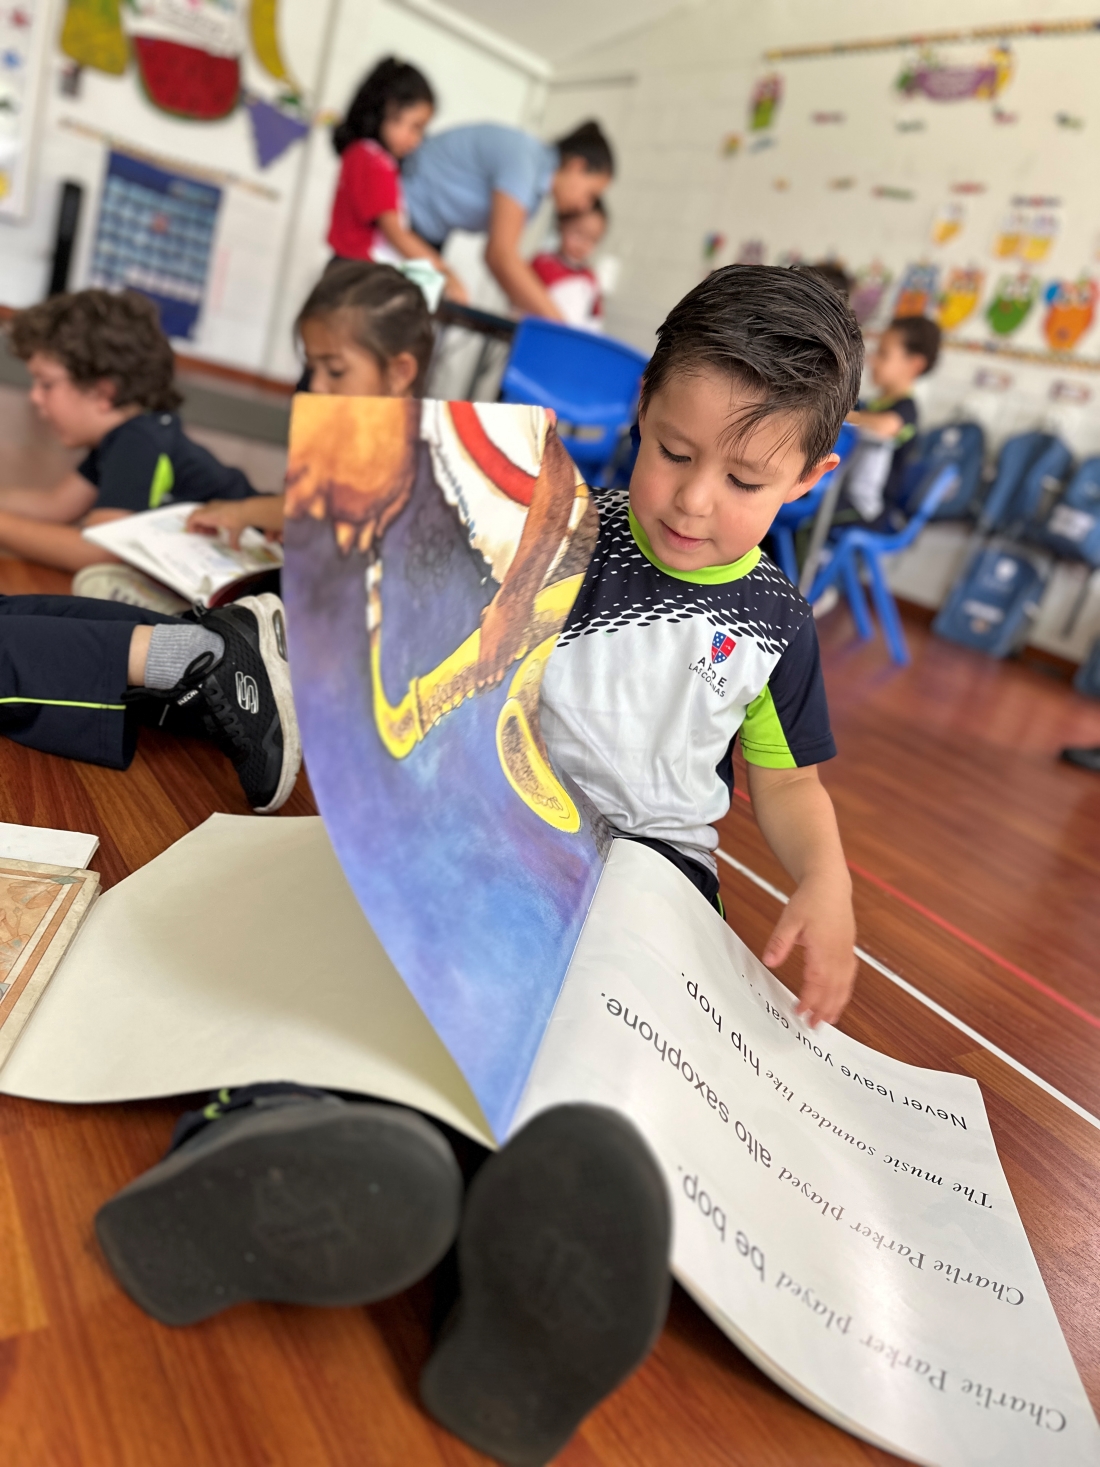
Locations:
(429, 698)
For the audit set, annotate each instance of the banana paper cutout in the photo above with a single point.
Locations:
(434, 552)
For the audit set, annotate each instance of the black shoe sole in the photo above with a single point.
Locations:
(310, 1203)
(563, 1262)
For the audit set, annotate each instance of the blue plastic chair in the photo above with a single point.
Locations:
(792, 517)
(590, 381)
(842, 570)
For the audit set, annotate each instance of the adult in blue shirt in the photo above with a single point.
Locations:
(488, 178)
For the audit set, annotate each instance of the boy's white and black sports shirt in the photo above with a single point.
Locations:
(657, 671)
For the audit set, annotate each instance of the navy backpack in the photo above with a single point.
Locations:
(1087, 679)
(993, 603)
(1072, 528)
(961, 444)
(1030, 465)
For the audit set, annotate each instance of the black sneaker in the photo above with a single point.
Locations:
(244, 702)
(563, 1268)
(1083, 758)
(302, 1202)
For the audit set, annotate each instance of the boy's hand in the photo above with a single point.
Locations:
(819, 919)
(234, 516)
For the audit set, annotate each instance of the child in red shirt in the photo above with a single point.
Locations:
(571, 283)
(385, 123)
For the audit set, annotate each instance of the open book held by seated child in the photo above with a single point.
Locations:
(683, 638)
(101, 378)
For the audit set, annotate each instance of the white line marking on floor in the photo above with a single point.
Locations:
(929, 1003)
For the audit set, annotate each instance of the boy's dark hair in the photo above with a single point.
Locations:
(588, 143)
(389, 312)
(98, 335)
(392, 85)
(832, 274)
(920, 338)
(598, 207)
(783, 334)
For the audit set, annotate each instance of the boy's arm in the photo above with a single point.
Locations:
(796, 818)
(882, 425)
(60, 546)
(262, 512)
(65, 503)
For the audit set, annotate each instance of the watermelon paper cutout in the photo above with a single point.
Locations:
(1071, 307)
(187, 81)
(1012, 302)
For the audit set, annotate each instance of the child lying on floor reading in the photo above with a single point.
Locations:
(101, 377)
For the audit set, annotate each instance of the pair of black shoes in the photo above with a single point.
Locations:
(242, 700)
(562, 1247)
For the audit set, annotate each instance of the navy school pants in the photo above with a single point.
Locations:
(63, 673)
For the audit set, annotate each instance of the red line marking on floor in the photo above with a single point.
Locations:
(971, 942)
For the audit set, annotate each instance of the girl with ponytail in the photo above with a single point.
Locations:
(384, 124)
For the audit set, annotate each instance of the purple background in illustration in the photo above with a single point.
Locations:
(477, 901)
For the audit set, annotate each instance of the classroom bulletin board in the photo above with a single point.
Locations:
(954, 175)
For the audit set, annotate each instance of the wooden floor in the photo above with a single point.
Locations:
(962, 829)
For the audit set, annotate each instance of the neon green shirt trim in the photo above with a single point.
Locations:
(164, 480)
(763, 741)
(707, 575)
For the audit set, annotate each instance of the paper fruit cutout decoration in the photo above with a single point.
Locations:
(917, 290)
(1012, 300)
(92, 35)
(930, 77)
(948, 222)
(961, 292)
(764, 102)
(273, 129)
(1071, 307)
(1028, 231)
(713, 244)
(868, 291)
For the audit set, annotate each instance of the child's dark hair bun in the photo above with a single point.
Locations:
(587, 141)
(392, 85)
(387, 311)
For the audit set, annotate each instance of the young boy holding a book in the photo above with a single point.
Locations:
(102, 379)
(683, 637)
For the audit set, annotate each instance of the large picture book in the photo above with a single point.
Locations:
(463, 935)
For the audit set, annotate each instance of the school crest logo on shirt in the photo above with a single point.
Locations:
(721, 647)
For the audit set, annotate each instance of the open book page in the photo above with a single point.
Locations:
(434, 551)
(843, 1216)
(40, 843)
(41, 910)
(197, 567)
(238, 955)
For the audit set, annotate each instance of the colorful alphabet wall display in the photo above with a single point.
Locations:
(1013, 298)
(948, 222)
(868, 291)
(1071, 309)
(24, 28)
(917, 290)
(928, 75)
(1029, 230)
(959, 298)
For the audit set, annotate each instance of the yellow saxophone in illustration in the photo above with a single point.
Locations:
(522, 753)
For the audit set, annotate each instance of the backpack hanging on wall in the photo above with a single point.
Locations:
(1030, 465)
(961, 444)
(1072, 528)
(994, 602)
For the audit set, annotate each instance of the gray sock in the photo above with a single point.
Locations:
(173, 647)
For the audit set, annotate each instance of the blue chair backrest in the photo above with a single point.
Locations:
(1073, 526)
(1026, 465)
(590, 381)
(961, 444)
